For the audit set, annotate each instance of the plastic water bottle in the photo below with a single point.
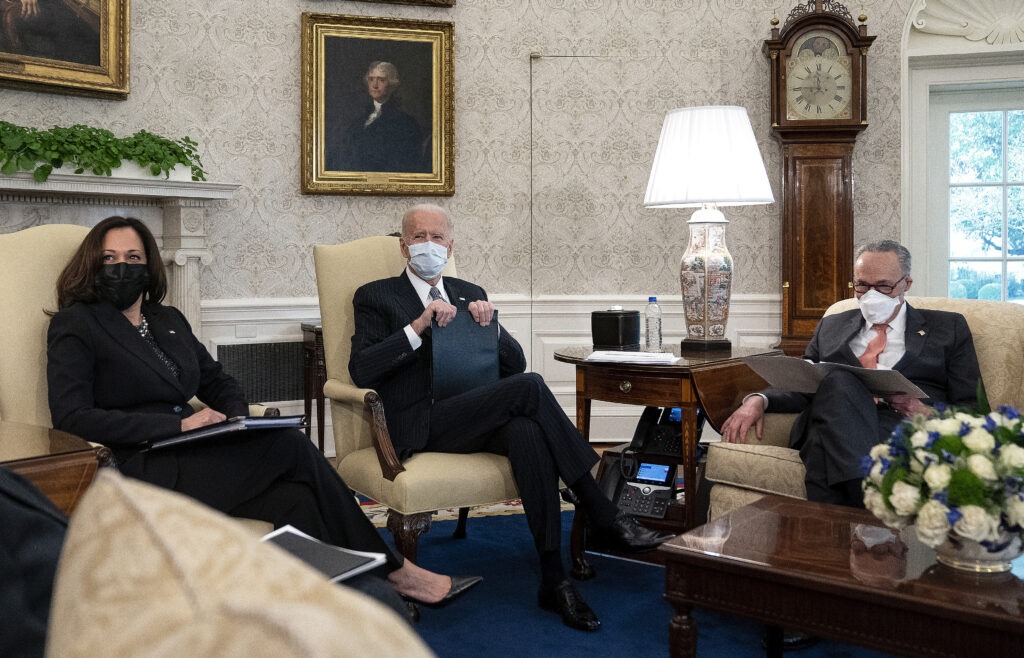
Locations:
(652, 318)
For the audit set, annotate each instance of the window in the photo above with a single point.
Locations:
(976, 191)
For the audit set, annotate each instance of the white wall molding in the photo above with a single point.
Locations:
(543, 326)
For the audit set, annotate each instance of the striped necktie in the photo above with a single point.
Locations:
(869, 359)
(435, 293)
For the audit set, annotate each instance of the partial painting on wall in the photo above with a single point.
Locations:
(65, 46)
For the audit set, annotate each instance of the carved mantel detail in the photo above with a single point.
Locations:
(998, 22)
(182, 205)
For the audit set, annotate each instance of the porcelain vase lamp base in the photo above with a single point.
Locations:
(705, 275)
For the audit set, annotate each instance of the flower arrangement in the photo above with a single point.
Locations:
(954, 475)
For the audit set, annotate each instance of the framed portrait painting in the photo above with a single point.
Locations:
(65, 46)
(377, 106)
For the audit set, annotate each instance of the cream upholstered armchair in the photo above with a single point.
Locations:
(412, 491)
(33, 258)
(741, 473)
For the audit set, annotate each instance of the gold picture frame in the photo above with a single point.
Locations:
(70, 47)
(404, 143)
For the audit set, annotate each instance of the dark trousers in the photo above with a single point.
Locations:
(274, 475)
(835, 433)
(519, 417)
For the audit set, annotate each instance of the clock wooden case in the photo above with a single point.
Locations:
(818, 108)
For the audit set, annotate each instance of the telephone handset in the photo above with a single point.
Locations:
(648, 466)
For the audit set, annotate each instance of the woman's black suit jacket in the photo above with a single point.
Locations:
(107, 385)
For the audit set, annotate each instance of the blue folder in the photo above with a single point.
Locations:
(465, 355)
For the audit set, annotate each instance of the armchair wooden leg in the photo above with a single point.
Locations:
(406, 529)
(460, 527)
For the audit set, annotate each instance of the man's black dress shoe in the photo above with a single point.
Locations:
(566, 601)
(632, 536)
(459, 586)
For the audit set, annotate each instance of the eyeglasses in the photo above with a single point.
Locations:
(883, 288)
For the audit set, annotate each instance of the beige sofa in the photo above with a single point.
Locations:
(741, 473)
(149, 572)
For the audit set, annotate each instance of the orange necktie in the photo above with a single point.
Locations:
(869, 359)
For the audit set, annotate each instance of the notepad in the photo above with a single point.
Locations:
(465, 355)
(237, 424)
(335, 562)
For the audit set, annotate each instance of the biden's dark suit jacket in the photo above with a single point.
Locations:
(383, 360)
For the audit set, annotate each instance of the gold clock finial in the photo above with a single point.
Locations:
(775, 19)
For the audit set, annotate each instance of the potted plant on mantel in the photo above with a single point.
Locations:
(94, 150)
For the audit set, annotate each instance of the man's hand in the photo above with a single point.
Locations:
(482, 311)
(202, 418)
(437, 309)
(907, 406)
(750, 414)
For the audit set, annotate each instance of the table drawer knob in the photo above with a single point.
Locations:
(625, 386)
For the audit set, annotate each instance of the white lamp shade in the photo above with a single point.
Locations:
(707, 155)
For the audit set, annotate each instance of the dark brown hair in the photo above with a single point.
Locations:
(77, 282)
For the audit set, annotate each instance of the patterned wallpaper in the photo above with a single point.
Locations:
(558, 108)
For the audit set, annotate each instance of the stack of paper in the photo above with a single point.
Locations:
(634, 357)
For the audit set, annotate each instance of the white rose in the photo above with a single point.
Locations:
(937, 476)
(1011, 455)
(875, 504)
(919, 439)
(979, 440)
(878, 451)
(876, 475)
(982, 466)
(944, 426)
(922, 458)
(1015, 510)
(976, 524)
(905, 498)
(973, 421)
(932, 523)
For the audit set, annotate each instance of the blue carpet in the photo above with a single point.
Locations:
(500, 617)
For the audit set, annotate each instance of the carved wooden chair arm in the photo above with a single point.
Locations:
(373, 407)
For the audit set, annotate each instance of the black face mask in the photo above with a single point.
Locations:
(121, 283)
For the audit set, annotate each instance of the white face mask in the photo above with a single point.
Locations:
(427, 259)
(876, 307)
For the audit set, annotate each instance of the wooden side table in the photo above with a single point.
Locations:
(59, 464)
(314, 376)
(682, 385)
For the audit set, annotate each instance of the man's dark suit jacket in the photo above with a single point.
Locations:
(939, 358)
(107, 385)
(393, 142)
(383, 360)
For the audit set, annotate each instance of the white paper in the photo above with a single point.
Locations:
(788, 373)
(633, 357)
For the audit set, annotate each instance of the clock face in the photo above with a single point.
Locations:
(819, 84)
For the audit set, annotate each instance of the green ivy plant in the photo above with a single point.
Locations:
(92, 149)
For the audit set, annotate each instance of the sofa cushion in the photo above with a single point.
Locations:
(763, 468)
(146, 571)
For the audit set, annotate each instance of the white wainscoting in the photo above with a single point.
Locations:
(542, 325)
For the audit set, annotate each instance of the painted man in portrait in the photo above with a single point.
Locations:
(383, 137)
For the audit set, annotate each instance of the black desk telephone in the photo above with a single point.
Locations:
(645, 481)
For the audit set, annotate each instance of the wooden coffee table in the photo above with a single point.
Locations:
(801, 565)
(59, 464)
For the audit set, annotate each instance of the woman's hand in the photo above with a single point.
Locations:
(202, 418)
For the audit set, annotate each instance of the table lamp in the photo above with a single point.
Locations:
(707, 157)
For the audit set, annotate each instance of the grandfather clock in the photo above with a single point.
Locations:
(818, 108)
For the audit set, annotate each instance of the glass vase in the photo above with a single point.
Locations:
(969, 555)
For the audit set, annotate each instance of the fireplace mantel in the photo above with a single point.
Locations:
(181, 203)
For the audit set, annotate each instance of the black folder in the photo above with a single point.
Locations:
(465, 355)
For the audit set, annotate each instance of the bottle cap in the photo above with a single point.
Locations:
(652, 299)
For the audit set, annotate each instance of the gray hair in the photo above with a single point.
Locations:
(428, 207)
(887, 246)
(389, 69)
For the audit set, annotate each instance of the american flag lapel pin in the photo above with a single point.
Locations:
(920, 332)
(170, 331)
